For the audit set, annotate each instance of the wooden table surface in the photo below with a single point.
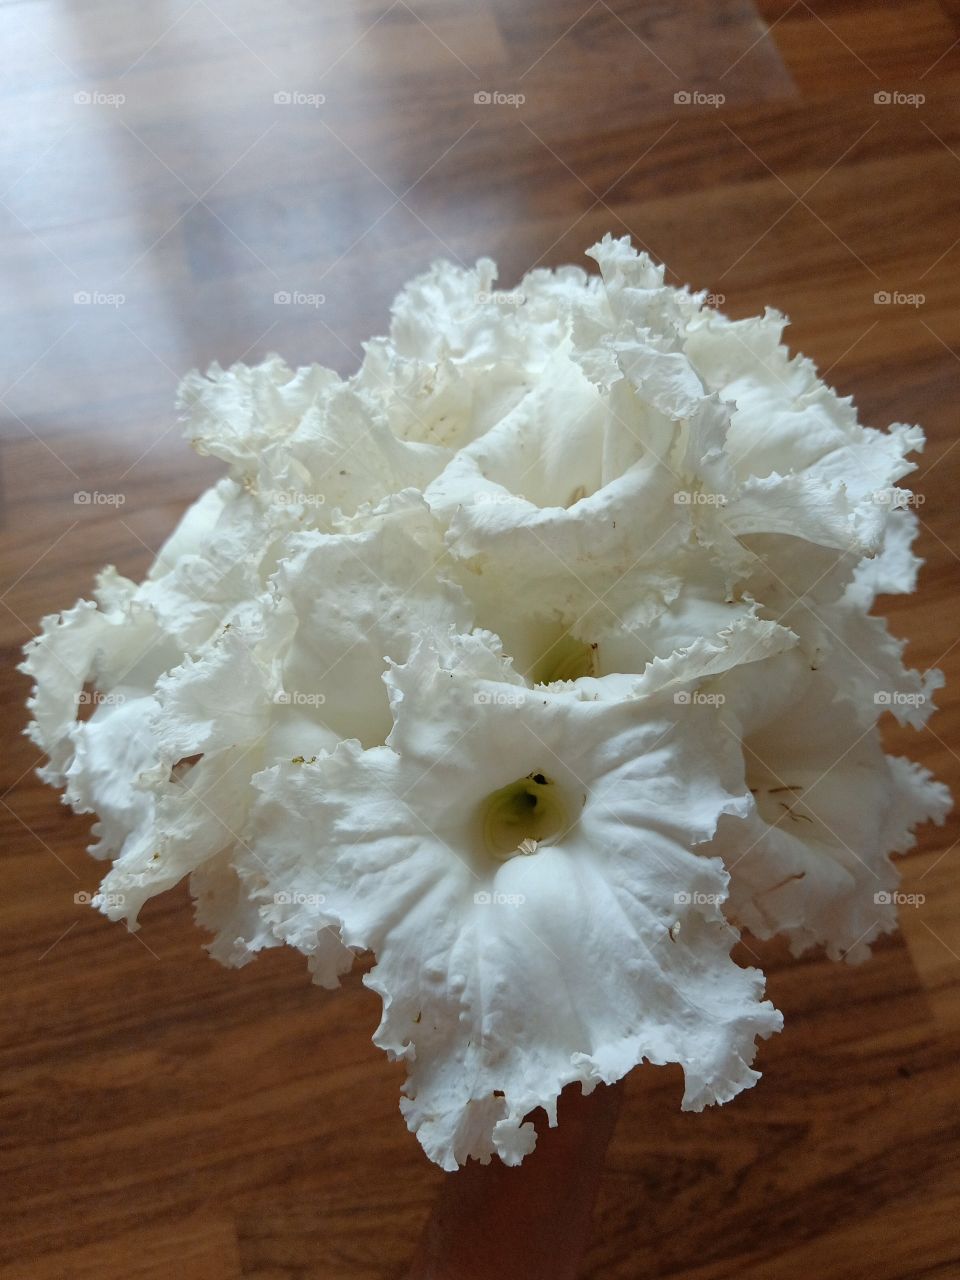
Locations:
(164, 1117)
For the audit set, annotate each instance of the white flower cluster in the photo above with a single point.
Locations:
(535, 658)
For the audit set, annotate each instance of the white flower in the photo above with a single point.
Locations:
(536, 657)
(517, 860)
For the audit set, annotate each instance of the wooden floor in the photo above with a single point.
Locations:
(163, 1117)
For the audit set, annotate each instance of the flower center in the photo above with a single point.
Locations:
(520, 817)
(567, 658)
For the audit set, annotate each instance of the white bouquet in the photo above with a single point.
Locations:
(536, 658)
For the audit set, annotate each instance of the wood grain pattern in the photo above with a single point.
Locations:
(161, 1116)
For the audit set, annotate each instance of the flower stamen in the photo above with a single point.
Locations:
(522, 816)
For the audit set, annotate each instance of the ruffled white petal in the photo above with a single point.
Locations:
(814, 861)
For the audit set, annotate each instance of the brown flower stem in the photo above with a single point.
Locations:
(491, 1222)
